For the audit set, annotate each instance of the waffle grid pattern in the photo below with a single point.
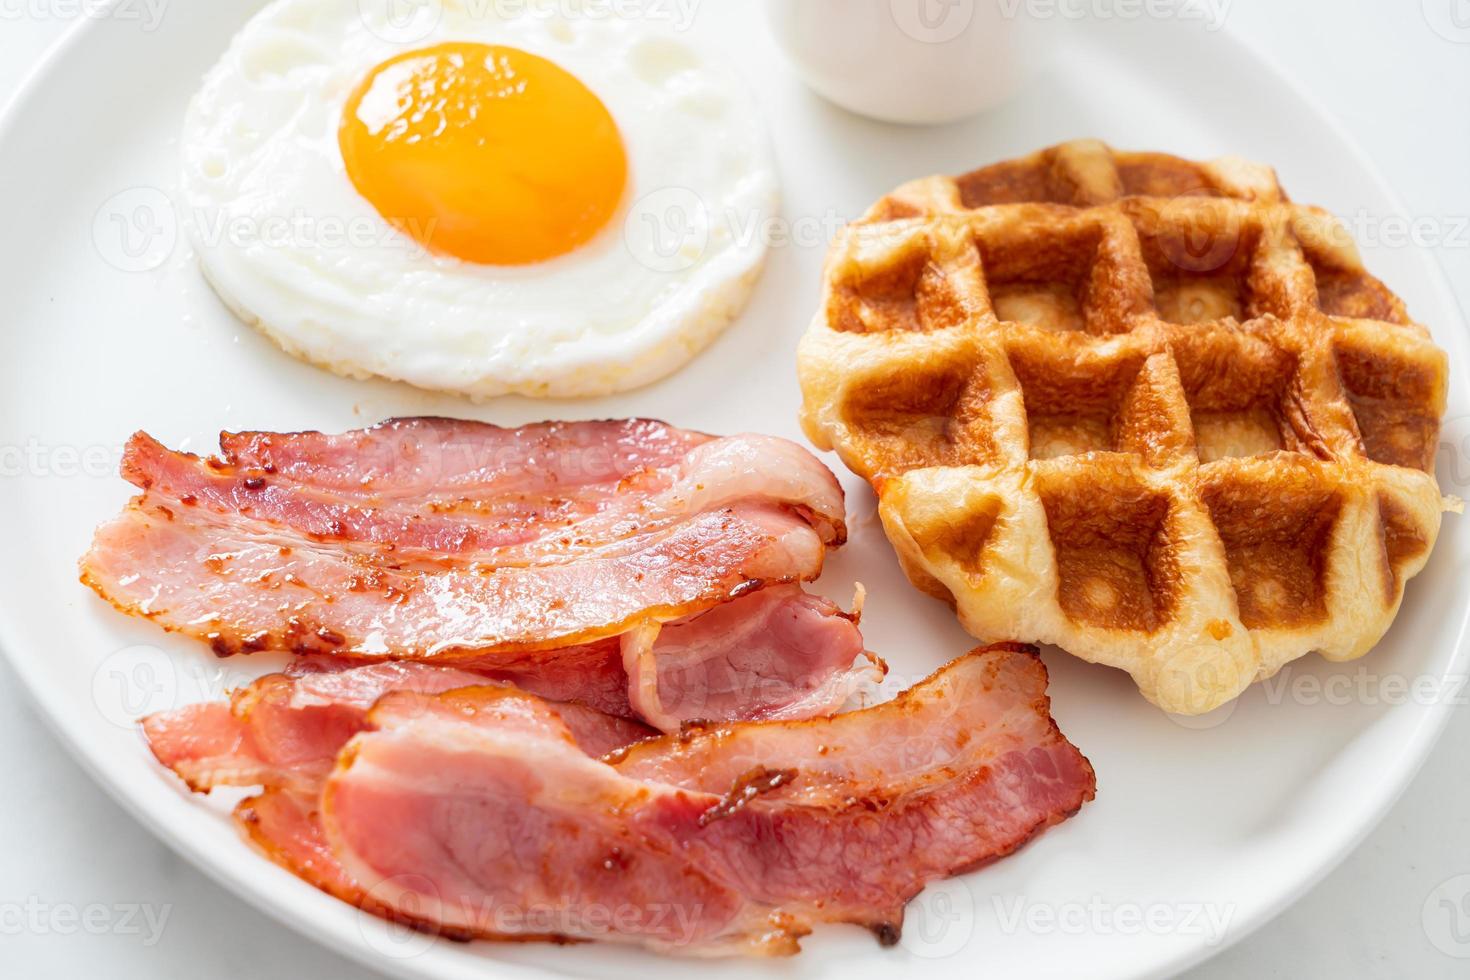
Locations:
(1142, 408)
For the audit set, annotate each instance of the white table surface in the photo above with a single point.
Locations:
(78, 877)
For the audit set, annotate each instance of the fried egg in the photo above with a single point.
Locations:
(491, 199)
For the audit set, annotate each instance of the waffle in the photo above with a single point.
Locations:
(1141, 408)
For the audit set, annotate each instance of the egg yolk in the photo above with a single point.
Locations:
(485, 153)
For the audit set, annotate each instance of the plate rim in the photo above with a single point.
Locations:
(1425, 733)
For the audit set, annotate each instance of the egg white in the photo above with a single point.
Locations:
(293, 249)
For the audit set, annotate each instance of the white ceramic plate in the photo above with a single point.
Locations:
(1201, 830)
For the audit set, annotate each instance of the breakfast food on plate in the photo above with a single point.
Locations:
(483, 811)
(1142, 408)
(645, 570)
(492, 626)
(518, 201)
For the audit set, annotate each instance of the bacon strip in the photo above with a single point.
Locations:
(412, 457)
(755, 831)
(964, 768)
(552, 512)
(284, 731)
(446, 541)
(779, 653)
(244, 586)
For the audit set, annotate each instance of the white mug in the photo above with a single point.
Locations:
(906, 61)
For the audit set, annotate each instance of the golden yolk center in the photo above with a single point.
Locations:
(485, 153)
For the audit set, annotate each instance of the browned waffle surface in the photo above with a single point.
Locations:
(1142, 408)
